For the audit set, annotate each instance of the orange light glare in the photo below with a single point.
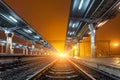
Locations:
(76, 57)
(63, 55)
(116, 44)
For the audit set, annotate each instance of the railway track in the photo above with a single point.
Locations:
(62, 69)
(96, 73)
(65, 69)
(22, 69)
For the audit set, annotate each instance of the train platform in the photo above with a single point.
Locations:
(109, 65)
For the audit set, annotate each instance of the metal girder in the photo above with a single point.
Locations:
(87, 20)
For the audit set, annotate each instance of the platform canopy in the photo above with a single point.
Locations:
(84, 12)
(10, 21)
(15, 45)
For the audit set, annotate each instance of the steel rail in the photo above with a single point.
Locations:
(80, 69)
(40, 72)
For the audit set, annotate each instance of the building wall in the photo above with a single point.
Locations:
(111, 31)
(85, 50)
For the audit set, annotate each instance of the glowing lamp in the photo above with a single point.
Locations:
(116, 44)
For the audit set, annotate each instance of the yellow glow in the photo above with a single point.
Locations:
(74, 47)
(61, 55)
(116, 44)
(76, 53)
(76, 57)
(58, 45)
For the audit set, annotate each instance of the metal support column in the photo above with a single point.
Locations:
(23, 51)
(9, 36)
(78, 49)
(32, 50)
(93, 32)
(26, 49)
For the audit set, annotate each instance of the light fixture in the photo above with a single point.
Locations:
(70, 33)
(77, 24)
(20, 45)
(102, 23)
(13, 19)
(73, 25)
(94, 31)
(28, 31)
(80, 5)
(14, 44)
(17, 46)
(116, 44)
(6, 31)
(5, 17)
(25, 46)
(3, 41)
(36, 37)
(29, 47)
(70, 23)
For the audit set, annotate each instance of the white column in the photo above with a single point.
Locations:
(32, 50)
(93, 32)
(23, 51)
(9, 36)
(26, 49)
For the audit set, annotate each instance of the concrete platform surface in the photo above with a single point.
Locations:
(109, 65)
